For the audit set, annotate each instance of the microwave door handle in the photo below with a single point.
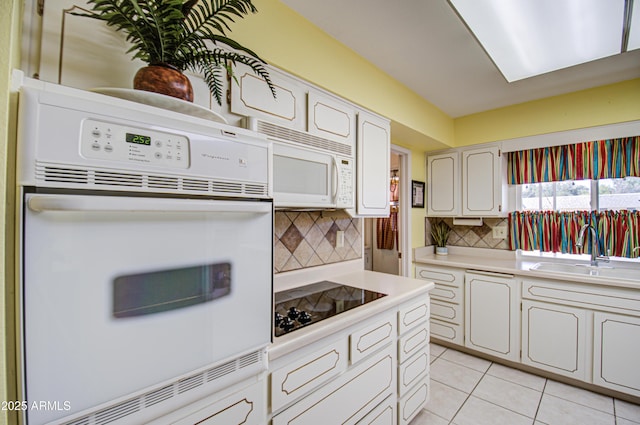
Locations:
(42, 203)
(334, 181)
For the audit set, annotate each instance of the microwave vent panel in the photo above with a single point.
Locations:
(302, 138)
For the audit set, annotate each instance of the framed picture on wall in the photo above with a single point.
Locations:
(417, 194)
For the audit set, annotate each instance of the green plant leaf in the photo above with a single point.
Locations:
(175, 32)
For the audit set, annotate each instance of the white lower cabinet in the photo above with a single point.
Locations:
(413, 359)
(492, 315)
(375, 372)
(246, 406)
(616, 349)
(302, 375)
(447, 302)
(384, 414)
(554, 338)
(410, 405)
(348, 398)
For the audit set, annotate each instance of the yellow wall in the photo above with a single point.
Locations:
(9, 53)
(290, 42)
(603, 105)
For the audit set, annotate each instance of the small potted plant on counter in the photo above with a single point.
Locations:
(172, 36)
(440, 235)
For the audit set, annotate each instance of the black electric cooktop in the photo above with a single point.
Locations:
(303, 306)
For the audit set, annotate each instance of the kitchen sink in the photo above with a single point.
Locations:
(604, 271)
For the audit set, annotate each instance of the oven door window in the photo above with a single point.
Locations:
(159, 291)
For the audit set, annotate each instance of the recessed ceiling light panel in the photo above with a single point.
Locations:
(525, 38)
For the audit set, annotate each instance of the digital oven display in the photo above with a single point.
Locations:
(138, 139)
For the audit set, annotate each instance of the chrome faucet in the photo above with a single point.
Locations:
(594, 244)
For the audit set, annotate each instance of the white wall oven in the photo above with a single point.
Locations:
(145, 257)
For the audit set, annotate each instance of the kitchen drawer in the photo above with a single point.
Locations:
(383, 414)
(620, 300)
(445, 276)
(410, 405)
(447, 312)
(304, 374)
(447, 331)
(411, 315)
(452, 294)
(413, 341)
(349, 397)
(413, 371)
(372, 337)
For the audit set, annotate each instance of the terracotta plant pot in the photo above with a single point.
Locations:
(164, 79)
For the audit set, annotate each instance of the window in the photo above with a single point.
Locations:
(580, 195)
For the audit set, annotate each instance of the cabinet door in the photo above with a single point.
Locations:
(616, 348)
(251, 97)
(446, 331)
(372, 160)
(443, 185)
(410, 405)
(302, 375)
(554, 338)
(482, 182)
(330, 118)
(349, 397)
(491, 314)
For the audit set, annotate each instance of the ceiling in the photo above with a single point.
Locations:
(424, 45)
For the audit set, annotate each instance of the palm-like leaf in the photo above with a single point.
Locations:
(176, 32)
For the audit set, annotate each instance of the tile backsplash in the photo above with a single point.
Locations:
(471, 236)
(308, 238)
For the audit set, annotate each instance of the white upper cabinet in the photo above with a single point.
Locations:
(466, 183)
(443, 185)
(330, 118)
(251, 97)
(373, 150)
(482, 182)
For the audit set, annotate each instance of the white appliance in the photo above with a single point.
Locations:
(309, 171)
(146, 257)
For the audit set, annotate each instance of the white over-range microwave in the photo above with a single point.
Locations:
(309, 171)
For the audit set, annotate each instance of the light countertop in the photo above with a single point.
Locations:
(398, 289)
(501, 261)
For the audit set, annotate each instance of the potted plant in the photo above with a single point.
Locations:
(440, 235)
(172, 36)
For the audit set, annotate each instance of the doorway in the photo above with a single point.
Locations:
(387, 239)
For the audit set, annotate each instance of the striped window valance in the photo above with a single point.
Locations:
(552, 231)
(602, 159)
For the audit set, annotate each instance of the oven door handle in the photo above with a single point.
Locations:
(42, 203)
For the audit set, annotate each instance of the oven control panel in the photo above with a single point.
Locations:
(117, 142)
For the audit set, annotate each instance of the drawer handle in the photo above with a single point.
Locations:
(491, 274)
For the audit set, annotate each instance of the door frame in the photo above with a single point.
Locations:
(405, 208)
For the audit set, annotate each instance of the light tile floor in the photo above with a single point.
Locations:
(467, 390)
